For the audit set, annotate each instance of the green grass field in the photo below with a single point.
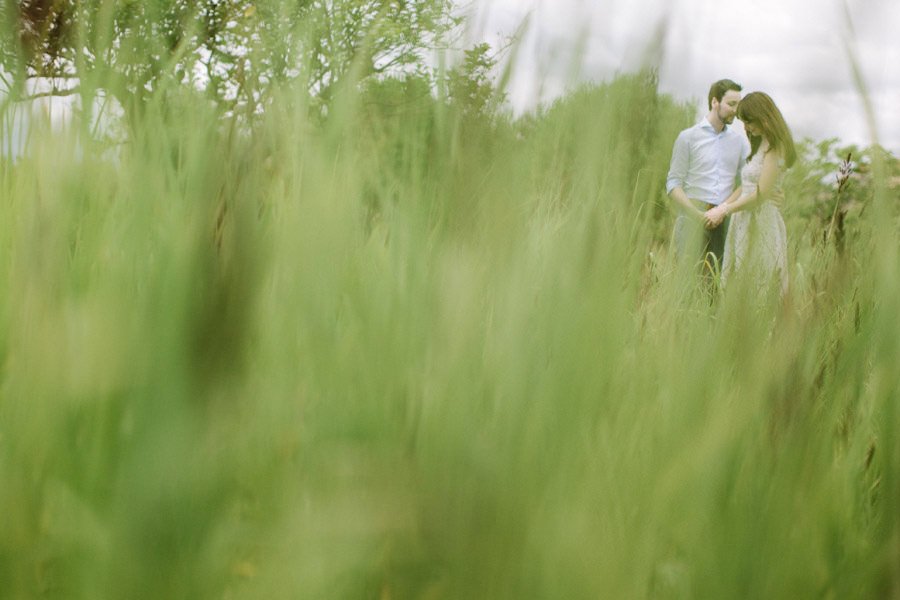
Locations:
(415, 353)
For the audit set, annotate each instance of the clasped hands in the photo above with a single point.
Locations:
(714, 216)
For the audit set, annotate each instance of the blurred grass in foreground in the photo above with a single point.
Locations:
(421, 353)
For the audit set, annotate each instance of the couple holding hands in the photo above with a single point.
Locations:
(728, 187)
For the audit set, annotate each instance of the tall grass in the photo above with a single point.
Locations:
(413, 354)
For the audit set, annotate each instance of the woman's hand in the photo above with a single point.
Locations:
(714, 216)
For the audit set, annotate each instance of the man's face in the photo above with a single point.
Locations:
(727, 108)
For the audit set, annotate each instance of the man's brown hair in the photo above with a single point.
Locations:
(719, 88)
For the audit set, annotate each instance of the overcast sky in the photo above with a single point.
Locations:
(795, 50)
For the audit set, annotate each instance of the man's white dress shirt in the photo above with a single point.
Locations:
(707, 164)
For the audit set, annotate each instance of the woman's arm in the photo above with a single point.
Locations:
(767, 178)
(737, 201)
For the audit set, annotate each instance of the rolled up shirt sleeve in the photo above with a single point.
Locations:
(678, 168)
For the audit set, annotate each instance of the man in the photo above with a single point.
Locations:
(705, 169)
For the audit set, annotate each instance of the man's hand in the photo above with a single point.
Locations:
(714, 216)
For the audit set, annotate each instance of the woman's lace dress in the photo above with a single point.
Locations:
(756, 245)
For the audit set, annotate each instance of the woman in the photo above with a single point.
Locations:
(756, 244)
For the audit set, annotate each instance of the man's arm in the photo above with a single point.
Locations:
(678, 169)
(684, 203)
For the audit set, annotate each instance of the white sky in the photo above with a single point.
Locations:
(795, 50)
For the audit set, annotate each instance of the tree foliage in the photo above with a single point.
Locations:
(833, 185)
(234, 51)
